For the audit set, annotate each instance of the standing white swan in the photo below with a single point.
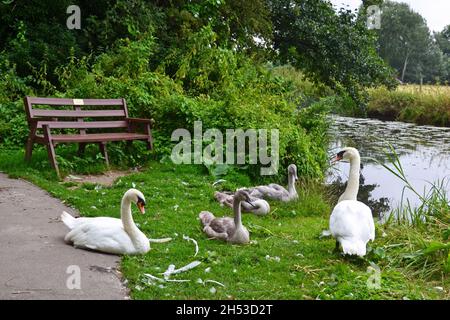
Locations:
(110, 235)
(274, 191)
(227, 229)
(259, 207)
(351, 222)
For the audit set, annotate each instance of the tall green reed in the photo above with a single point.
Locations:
(419, 232)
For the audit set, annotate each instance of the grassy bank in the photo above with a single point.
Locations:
(286, 259)
(426, 105)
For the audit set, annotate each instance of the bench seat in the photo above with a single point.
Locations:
(95, 137)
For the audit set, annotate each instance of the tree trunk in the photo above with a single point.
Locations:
(405, 64)
(421, 81)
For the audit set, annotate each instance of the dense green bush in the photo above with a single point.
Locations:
(13, 126)
(222, 88)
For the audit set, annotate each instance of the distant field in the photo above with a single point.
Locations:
(426, 105)
(425, 89)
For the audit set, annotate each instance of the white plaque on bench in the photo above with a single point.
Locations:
(78, 102)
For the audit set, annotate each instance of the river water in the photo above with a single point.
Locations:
(424, 152)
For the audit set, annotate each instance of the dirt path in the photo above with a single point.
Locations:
(35, 263)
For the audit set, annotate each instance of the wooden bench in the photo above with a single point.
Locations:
(107, 122)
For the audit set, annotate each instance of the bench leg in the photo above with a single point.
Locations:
(29, 149)
(104, 152)
(81, 148)
(30, 143)
(50, 149)
(149, 140)
(149, 144)
(52, 156)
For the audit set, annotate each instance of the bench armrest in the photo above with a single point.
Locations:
(140, 120)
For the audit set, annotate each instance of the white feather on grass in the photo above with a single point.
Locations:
(163, 240)
(171, 269)
(214, 281)
(194, 241)
(152, 277)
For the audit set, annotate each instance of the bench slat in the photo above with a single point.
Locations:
(82, 125)
(70, 102)
(77, 114)
(97, 137)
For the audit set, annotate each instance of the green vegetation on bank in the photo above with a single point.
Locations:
(286, 259)
(423, 105)
(426, 105)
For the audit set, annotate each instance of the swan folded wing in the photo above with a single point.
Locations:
(277, 187)
(352, 220)
(227, 198)
(95, 235)
(222, 225)
(257, 192)
(271, 191)
(224, 198)
(104, 221)
(206, 217)
(217, 235)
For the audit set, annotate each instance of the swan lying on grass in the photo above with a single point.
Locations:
(274, 191)
(111, 235)
(227, 229)
(259, 207)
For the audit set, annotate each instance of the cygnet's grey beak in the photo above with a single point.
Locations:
(250, 204)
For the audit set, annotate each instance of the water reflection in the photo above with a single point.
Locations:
(424, 153)
(378, 206)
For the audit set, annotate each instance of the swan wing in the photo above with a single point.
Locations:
(105, 221)
(222, 225)
(262, 192)
(101, 234)
(260, 206)
(272, 191)
(277, 187)
(352, 220)
(255, 192)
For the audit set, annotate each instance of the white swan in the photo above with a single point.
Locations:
(351, 222)
(275, 191)
(259, 207)
(227, 229)
(110, 235)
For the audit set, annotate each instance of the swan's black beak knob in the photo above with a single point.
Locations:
(337, 157)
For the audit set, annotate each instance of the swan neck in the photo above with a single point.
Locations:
(127, 218)
(351, 191)
(237, 213)
(291, 185)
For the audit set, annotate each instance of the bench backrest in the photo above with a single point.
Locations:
(75, 118)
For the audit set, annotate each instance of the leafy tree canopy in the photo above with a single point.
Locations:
(405, 42)
(333, 48)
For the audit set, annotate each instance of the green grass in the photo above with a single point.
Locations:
(308, 268)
